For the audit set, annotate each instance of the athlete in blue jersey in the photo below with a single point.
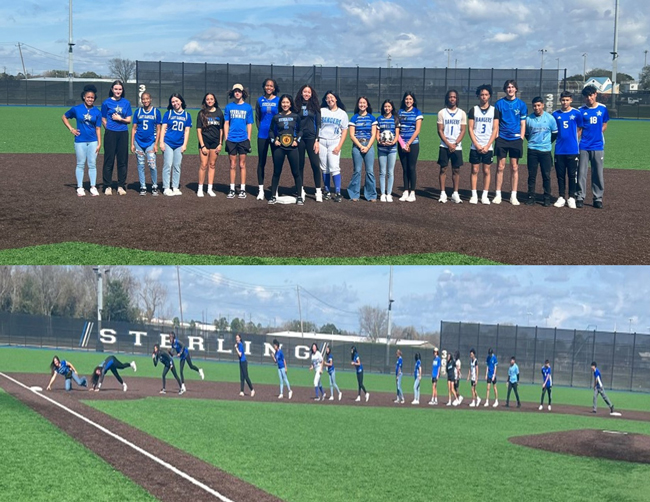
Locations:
(174, 134)
(308, 107)
(87, 137)
(112, 364)
(567, 149)
(512, 127)
(547, 384)
(184, 354)
(144, 141)
(541, 131)
(435, 375)
(243, 366)
(363, 130)
(69, 372)
(592, 145)
(417, 375)
(284, 134)
(331, 371)
(387, 125)
(410, 119)
(491, 378)
(165, 357)
(513, 382)
(356, 362)
(238, 127)
(398, 378)
(209, 131)
(278, 357)
(116, 117)
(266, 108)
(599, 388)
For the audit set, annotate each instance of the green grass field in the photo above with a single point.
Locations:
(306, 452)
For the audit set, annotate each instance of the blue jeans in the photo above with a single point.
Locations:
(86, 153)
(386, 170)
(80, 381)
(172, 158)
(416, 389)
(400, 394)
(333, 385)
(354, 188)
(149, 157)
(282, 373)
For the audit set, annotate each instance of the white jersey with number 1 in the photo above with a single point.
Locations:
(452, 122)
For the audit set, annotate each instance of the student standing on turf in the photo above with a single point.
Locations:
(483, 122)
(547, 384)
(87, 137)
(356, 362)
(541, 131)
(410, 119)
(599, 389)
(512, 127)
(435, 375)
(116, 117)
(243, 366)
(459, 374)
(69, 372)
(472, 376)
(317, 366)
(398, 378)
(387, 150)
(184, 354)
(451, 381)
(331, 136)
(174, 134)
(417, 374)
(237, 129)
(592, 145)
(168, 362)
(513, 382)
(452, 124)
(308, 108)
(363, 129)
(144, 141)
(209, 131)
(278, 357)
(284, 134)
(331, 371)
(491, 378)
(266, 107)
(113, 364)
(567, 149)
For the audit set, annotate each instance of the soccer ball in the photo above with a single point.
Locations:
(387, 136)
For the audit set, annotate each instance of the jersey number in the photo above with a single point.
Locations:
(565, 124)
(483, 128)
(593, 120)
(145, 125)
(178, 126)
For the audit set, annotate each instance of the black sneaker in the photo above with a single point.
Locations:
(337, 198)
(273, 200)
(580, 203)
(530, 201)
(143, 191)
(231, 194)
(598, 204)
(327, 195)
(154, 191)
(300, 202)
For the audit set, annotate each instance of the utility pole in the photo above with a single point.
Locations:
(180, 301)
(645, 58)
(70, 45)
(388, 62)
(300, 311)
(615, 57)
(584, 68)
(20, 50)
(100, 272)
(543, 51)
(390, 314)
(448, 51)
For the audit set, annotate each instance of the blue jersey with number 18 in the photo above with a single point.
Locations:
(592, 127)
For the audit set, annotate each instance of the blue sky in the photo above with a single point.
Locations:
(606, 297)
(482, 33)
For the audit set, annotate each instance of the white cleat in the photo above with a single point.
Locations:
(253, 393)
(456, 198)
(358, 399)
(201, 373)
(331, 398)
(402, 401)
(124, 387)
(183, 388)
(396, 400)
(340, 396)
(571, 203)
(163, 391)
(560, 202)
(541, 407)
(549, 407)
(319, 195)
(367, 396)
(472, 404)
(455, 403)
(478, 401)
(135, 368)
(496, 404)
(241, 394)
(431, 403)
(182, 391)
(460, 399)
(487, 403)
(290, 394)
(496, 200)
(443, 197)
(473, 199)
(448, 403)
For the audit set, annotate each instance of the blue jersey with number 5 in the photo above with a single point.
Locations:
(145, 134)
(176, 124)
(567, 131)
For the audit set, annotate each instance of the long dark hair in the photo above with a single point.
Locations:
(353, 352)
(311, 104)
(339, 103)
(95, 378)
(290, 98)
(203, 112)
(244, 94)
(393, 112)
(52, 365)
(115, 82)
(356, 107)
(312, 348)
(415, 101)
(176, 95)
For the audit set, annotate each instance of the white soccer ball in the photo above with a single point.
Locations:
(387, 136)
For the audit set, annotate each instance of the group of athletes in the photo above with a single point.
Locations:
(293, 128)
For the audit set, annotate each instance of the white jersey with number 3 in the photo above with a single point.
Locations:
(483, 124)
(452, 122)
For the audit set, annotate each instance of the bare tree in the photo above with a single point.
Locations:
(153, 297)
(373, 322)
(122, 69)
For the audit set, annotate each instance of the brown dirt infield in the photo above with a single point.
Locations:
(611, 445)
(39, 206)
(170, 487)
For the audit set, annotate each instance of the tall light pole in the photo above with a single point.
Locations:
(449, 51)
(645, 58)
(390, 314)
(70, 45)
(615, 56)
(584, 68)
(543, 51)
(180, 300)
(100, 272)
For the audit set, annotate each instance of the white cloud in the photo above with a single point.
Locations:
(503, 37)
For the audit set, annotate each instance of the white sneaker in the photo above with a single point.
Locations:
(382, 198)
(135, 368)
(303, 194)
(168, 192)
(472, 404)
(124, 387)
(211, 192)
(241, 394)
(560, 202)
(435, 403)
(183, 387)
(322, 398)
(456, 198)
(496, 404)
(357, 399)
(571, 203)
(487, 403)
(331, 398)
(280, 396)
(443, 197)
(402, 401)
(431, 403)
(496, 200)
(513, 200)
(411, 197)
(121, 191)
(253, 393)
(260, 194)
(541, 407)
(485, 200)
(340, 396)
(367, 396)
(81, 192)
(396, 400)
(108, 191)
(176, 191)
(415, 402)
(404, 196)
(94, 192)
(319, 195)
(549, 407)
(201, 373)
(448, 403)
(455, 403)
(460, 399)
(163, 391)
(182, 391)
(478, 401)
(199, 192)
(473, 199)
(290, 394)
(389, 198)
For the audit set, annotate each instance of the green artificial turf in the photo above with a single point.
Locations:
(40, 462)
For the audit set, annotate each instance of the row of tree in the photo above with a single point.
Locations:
(122, 69)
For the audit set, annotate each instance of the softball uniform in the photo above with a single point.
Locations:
(398, 377)
(184, 354)
(243, 370)
(174, 138)
(166, 359)
(146, 124)
(265, 110)
(332, 125)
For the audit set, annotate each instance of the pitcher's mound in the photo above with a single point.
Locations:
(613, 445)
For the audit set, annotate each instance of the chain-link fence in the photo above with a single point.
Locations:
(54, 93)
(623, 358)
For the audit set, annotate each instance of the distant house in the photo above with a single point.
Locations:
(604, 85)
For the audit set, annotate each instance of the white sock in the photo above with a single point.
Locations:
(261, 188)
(474, 193)
(318, 190)
(232, 187)
(200, 188)
(243, 187)
(485, 193)
(513, 193)
(498, 193)
(455, 193)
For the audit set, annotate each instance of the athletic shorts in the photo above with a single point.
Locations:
(434, 380)
(473, 383)
(513, 148)
(210, 144)
(445, 156)
(238, 148)
(480, 158)
(450, 378)
(489, 380)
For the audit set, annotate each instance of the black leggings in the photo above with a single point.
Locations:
(307, 145)
(278, 161)
(173, 368)
(116, 144)
(243, 375)
(117, 365)
(409, 161)
(512, 386)
(262, 151)
(360, 382)
(187, 359)
(545, 390)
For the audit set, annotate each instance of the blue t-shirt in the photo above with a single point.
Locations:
(88, 119)
(539, 129)
(398, 366)
(546, 372)
(491, 365)
(435, 367)
(512, 113)
(266, 109)
(122, 107)
(407, 123)
(360, 367)
(567, 131)
(147, 122)
(279, 358)
(240, 348)
(598, 381)
(418, 364)
(238, 116)
(176, 124)
(592, 138)
(513, 373)
(362, 126)
(178, 347)
(63, 369)
(386, 124)
(330, 369)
